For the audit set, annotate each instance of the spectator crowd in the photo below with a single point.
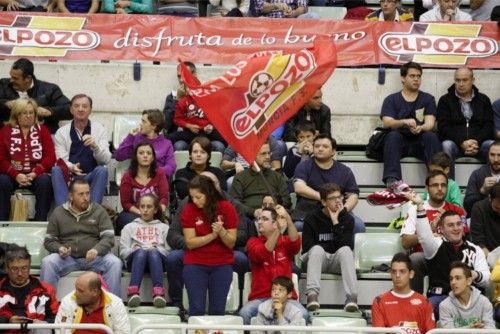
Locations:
(201, 222)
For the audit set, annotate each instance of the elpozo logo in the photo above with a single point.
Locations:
(46, 36)
(438, 44)
(270, 88)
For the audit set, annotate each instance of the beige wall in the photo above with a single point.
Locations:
(354, 95)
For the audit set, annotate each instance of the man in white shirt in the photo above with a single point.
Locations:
(445, 11)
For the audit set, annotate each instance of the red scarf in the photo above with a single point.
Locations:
(25, 153)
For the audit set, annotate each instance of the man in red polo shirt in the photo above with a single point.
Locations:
(90, 304)
(271, 255)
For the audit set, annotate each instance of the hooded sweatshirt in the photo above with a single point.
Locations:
(454, 314)
(151, 234)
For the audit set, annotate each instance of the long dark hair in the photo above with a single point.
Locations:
(156, 202)
(204, 185)
(134, 164)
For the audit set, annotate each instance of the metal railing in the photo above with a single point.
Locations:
(299, 329)
(463, 331)
(62, 327)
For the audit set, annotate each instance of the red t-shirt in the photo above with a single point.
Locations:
(95, 317)
(214, 253)
(412, 313)
(268, 265)
(188, 112)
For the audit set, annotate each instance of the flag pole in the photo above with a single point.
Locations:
(266, 184)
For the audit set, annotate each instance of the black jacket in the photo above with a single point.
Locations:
(451, 121)
(485, 225)
(321, 119)
(319, 230)
(46, 94)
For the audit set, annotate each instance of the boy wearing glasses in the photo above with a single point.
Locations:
(20, 292)
(327, 244)
(390, 11)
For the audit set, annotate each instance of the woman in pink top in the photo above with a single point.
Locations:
(143, 177)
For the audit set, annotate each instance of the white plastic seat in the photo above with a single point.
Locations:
(332, 322)
(29, 234)
(204, 320)
(122, 127)
(333, 13)
(181, 159)
(147, 315)
(373, 249)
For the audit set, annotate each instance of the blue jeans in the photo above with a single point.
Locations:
(98, 180)
(175, 266)
(398, 146)
(141, 260)
(435, 301)
(54, 266)
(40, 186)
(215, 279)
(250, 309)
(454, 152)
(123, 219)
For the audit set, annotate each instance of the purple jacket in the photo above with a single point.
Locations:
(164, 151)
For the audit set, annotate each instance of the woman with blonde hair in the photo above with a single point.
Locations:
(26, 156)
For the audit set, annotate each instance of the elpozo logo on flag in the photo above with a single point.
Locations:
(46, 36)
(255, 96)
(438, 44)
(268, 89)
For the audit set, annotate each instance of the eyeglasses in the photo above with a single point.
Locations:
(27, 113)
(335, 198)
(19, 269)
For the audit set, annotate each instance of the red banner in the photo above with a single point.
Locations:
(257, 95)
(228, 40)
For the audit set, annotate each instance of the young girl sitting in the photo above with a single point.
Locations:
(143, 246)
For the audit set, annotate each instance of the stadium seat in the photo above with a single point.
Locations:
(29, 234)
(66, 283)
(181, 159)
(208, 320)
(333, 13)
(148, 315)
(332, 322)
(233, 296)
(122, 127)
(253, 322)
(373, 249)
(247, 284)
(121, 168)
(216, 159)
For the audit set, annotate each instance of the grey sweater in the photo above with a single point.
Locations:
(292, 316)
(82, 232)
(453, 314)
(144, 234)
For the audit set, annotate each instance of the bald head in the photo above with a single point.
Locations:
(88, 289)
(214, 179)
(90, 279)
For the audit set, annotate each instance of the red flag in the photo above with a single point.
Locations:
(249, 101)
